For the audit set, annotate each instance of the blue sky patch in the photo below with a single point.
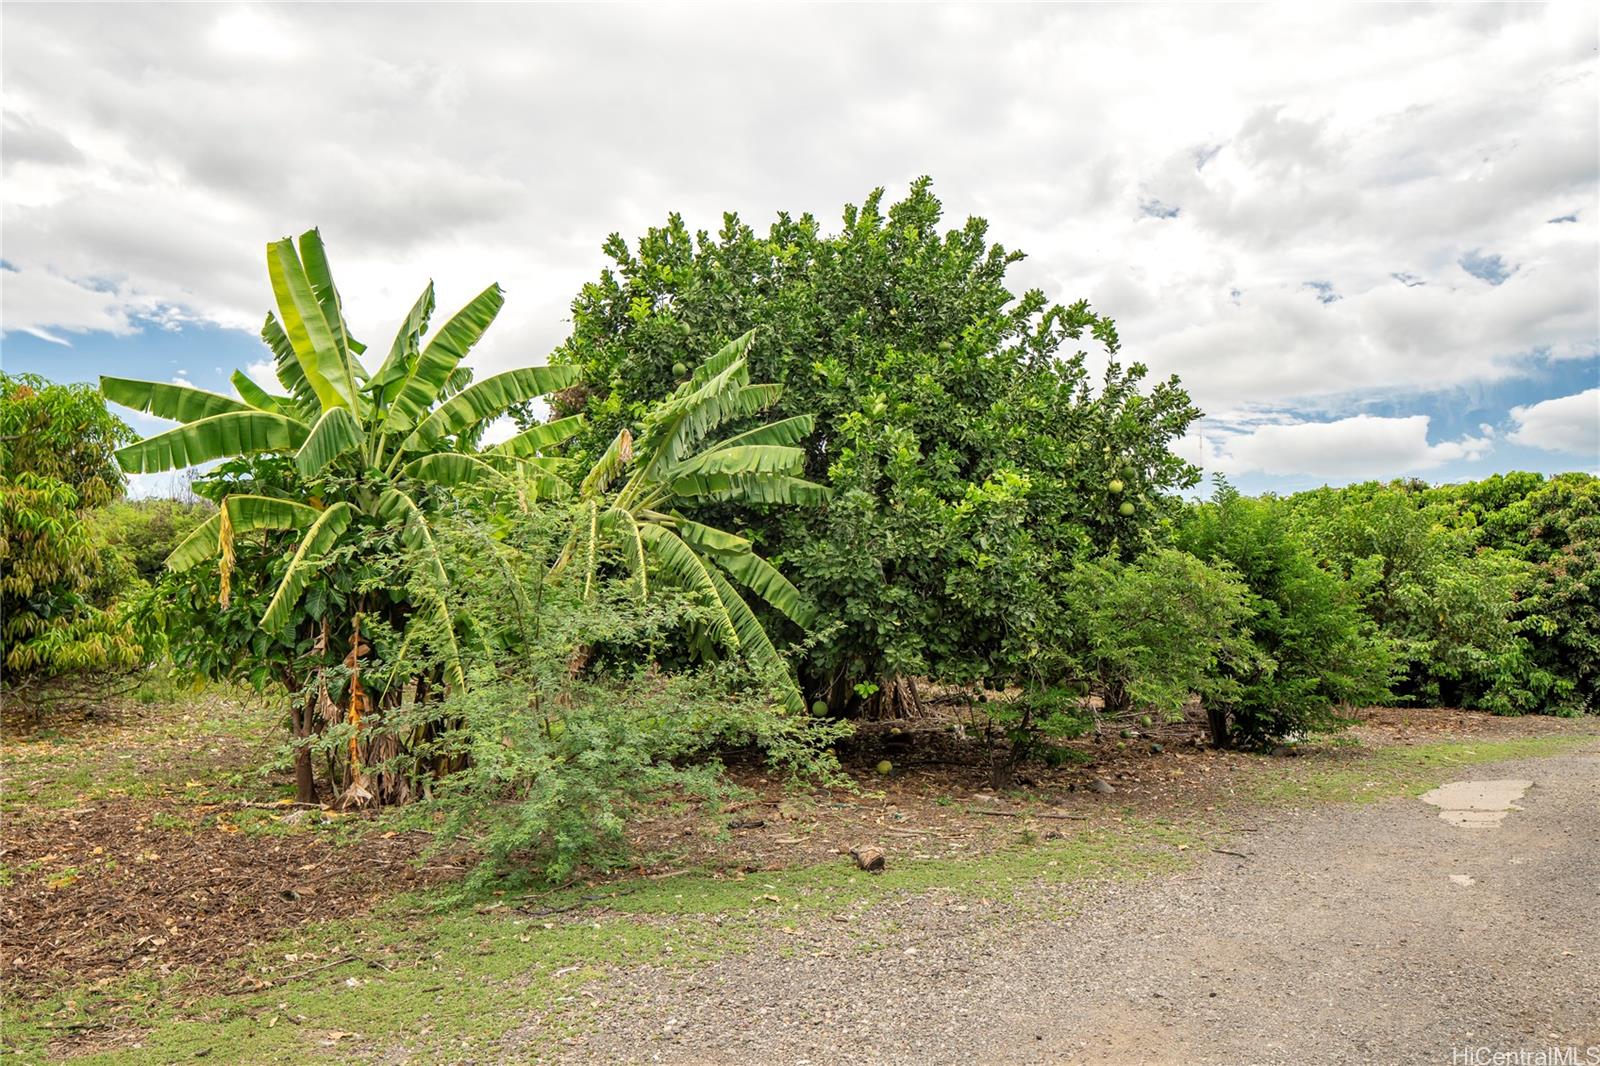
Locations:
(1157, 209)
(1324, 291)
(1490, 268)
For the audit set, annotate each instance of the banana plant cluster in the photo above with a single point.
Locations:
(390, 434)
(634, 496)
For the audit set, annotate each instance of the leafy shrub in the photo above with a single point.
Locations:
(1147, 634)
(1154, 632)
(570, 722)
(1318, 651)
(60, 639)
(549, 785)
(1486, 590)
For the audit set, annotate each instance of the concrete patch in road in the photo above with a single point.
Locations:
(1477, 804)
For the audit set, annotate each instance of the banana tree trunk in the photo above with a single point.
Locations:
(305, 781)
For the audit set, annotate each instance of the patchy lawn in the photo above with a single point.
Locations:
(163, 903)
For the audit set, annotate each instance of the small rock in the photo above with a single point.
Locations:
(1099, 785)
(1156, 749)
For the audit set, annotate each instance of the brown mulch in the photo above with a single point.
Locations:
(102, 891)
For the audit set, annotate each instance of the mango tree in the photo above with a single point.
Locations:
(58, 640)
(374, 454)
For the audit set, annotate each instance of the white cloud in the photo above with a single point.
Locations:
(501, 429)
(1567, 424)
(264, 373)
(1363, 446)
(1339, 144)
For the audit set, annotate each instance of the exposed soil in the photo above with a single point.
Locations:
(1378, 933)
(104, 891)
(937, 801)
(153, 875)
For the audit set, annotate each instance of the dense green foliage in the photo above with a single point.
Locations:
(1315, 649)
(546, 761)
(632, 495)
(955, 421)
(853, 459)
(331, 582)
(1110, 639)
(56, 445)
(1488, 591)
(142, 533)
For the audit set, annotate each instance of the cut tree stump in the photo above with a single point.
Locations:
(868, 857)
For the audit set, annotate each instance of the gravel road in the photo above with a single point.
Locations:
(1362, 934)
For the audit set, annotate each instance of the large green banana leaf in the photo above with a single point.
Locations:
(335, 433)
(754, 641)
(745, 459)
(262, 400)
(245, 514)
(386, 384)
(315, 259)
(180, 403)
(308, 559)
(216, 437)
(786, 431)
(688, 571)
(750, 488)
(290, 374)
(488, 398)
(545, 435)
(450, 469)
(430, 371)
(322, 359)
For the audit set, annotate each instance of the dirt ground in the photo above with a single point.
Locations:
(123, 855)
(1363, 934)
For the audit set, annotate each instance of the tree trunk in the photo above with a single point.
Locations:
(895, 699)
(1218, 719)
(1118, 700)
(305, 781)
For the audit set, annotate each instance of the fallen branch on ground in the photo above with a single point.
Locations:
(1028, 814)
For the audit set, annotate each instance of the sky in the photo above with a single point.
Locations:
(1366, 237)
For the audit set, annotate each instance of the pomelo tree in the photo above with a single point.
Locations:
(966, 429)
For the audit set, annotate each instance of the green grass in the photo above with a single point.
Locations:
(443, 981)
(1368, 776)
(448, 982)
(173, 748)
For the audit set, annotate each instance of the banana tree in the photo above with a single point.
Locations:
(674, 465)
(371, 449)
